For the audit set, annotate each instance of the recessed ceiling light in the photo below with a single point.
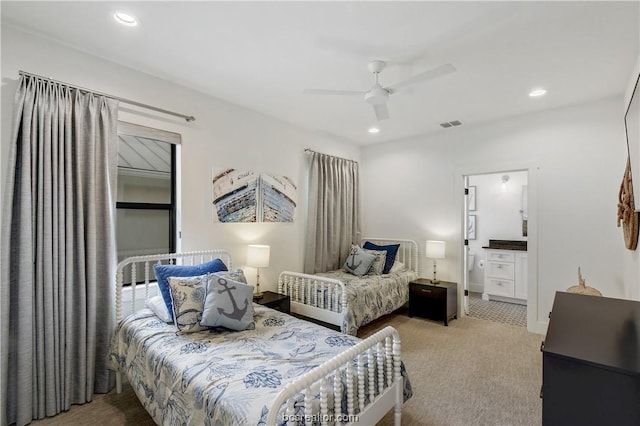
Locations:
(125, 19)
(374, 130)
(537, 92)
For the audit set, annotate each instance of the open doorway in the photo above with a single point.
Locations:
(496, 222)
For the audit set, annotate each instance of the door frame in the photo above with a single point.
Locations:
(535, 323)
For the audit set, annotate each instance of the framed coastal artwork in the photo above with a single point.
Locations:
(471, 198)
(471, 227)
(248, 196)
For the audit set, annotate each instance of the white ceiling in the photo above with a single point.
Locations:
(262, 55)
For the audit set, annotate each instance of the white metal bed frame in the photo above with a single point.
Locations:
(303, 289)
(381, 382)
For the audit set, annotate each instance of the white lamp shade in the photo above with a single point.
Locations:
(435, 249)
(258, 256)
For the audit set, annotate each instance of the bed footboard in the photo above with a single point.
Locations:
(374, 385)
(317, 297)
(137, 271)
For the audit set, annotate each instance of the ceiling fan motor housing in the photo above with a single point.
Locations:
(377, 95)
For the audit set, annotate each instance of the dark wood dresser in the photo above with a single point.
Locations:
(591, 362)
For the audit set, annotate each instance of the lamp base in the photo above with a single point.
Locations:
(435, 281)
(258, 295)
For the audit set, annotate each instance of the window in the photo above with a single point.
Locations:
(146, 197)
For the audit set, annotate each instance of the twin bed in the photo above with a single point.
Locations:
(341, 299)
(283, 371)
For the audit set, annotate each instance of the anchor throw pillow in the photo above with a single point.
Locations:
(187, 296)
(228, 304)
(163, 272)
(235, 275)
(358, 262)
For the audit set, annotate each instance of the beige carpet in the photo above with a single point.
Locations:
(473, 372)
(110, 409)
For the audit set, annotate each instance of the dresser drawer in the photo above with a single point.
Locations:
(427, 291)
(500, 256)
(497, 287)
(501, 270)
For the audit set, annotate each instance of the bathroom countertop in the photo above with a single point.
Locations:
(506, 245)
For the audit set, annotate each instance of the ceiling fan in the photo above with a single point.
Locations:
(378, 95)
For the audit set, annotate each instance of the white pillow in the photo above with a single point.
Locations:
(397, 267)
(158, 307)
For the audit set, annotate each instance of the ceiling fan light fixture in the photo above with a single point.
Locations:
(125, 19)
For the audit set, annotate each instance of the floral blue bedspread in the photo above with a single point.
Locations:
(371, 296)
(220, 377)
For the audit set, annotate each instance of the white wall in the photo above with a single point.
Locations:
(408, 186)
(498, 215)
(222, 135)
(411, 189)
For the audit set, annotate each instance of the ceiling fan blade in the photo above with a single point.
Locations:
(332, 92)
(381, 110)
(427, 75)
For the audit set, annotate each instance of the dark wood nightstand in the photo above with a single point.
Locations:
(433, 301)
(277, 301)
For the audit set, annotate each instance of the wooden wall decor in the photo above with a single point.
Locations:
(246, 196)
(627, 215)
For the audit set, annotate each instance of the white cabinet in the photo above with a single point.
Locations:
(505, 275)
(521, 280)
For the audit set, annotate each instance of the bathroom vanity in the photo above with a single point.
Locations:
(505, 273)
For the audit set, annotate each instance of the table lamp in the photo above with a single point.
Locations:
(258, 257)
(435, 250)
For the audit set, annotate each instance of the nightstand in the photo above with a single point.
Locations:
(277, 301)
(433, 301)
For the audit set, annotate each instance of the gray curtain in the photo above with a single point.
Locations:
(334, 212)
(58, 246)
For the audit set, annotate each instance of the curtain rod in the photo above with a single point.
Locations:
(188, 118)
(334, 156)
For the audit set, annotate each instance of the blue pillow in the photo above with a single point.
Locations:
(163, 272)
(391, 249)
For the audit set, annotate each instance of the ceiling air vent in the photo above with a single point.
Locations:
(451, 124)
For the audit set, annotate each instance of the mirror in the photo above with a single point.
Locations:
(525, 210)
(632, 127)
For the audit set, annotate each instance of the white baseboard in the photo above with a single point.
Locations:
(476, 287)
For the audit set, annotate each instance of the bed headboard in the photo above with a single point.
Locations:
(407, 253)
(137, 271)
